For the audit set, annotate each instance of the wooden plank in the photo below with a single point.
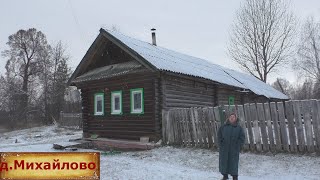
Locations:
(248, 118)
(262, 122)
(299, 126)
(164, 126)
(174, 127)
(269, 126)
(194, 129)
(64, 145)
(315, 123)
(291, 126)
(208, 128)
(256, 129)
(183, 141)
(170, 128)
(276, 128)
(227, 112)
(306, 106)
(217, 117)
(190, 127)
(167, 130)
(218, 124)
(232, 109)
(242, 122)
(186, 128)
(283, 127)
(318, 125)
(201, 128)
(181, 128)
(196, 115)
(212, 127)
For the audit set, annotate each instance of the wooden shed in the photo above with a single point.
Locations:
(125, 83)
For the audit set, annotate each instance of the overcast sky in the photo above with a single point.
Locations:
(198, 28)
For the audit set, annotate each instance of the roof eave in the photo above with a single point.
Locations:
(84, 59)
(128, 50)
(104, 33)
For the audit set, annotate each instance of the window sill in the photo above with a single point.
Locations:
(118, 113)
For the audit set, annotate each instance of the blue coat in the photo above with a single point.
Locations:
(231, 138)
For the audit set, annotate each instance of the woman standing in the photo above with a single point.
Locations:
(231, 138)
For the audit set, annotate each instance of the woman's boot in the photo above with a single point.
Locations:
(225, 177)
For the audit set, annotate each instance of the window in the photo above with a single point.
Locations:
(116, 102)
(231, 100)
(137, 104)
(99, 104)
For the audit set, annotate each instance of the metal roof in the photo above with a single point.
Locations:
(168, 60)
(110, 71)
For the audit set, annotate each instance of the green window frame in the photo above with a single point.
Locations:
(231, 100)
(98, 109)
(115, 94)
(133, 103)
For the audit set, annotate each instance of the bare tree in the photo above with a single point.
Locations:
(23, 61)
(316, 90)
(308, 61)
(283, 86)
(262, 36)
(34, 85)
(60, 74)
(304, 91)
(45, 77)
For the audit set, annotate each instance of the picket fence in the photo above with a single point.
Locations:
(292, 126)
(72, 120)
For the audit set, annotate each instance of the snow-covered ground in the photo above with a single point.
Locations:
(168, 162)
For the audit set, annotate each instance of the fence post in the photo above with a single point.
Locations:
(164, 126)
(249, 126)
(211, 129)
(307, 124)
(291, 128)
(269, 125)
(275, 120)
(240, 115)
(194, 129)
(316, 108)
(256, 129)
(262, 121)
(283, 127)
(170, 127)
(299, 125)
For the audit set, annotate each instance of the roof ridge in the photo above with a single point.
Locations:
(161, 47)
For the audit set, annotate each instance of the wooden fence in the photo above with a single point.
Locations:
(73, 120)
(293, 126)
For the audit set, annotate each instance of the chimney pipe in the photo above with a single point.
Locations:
(153, 33)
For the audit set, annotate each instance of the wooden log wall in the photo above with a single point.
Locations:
(127, 125)
(293, 126)
(181, 92)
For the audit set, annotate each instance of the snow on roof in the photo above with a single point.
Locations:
(255, 85)
(168, 60)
